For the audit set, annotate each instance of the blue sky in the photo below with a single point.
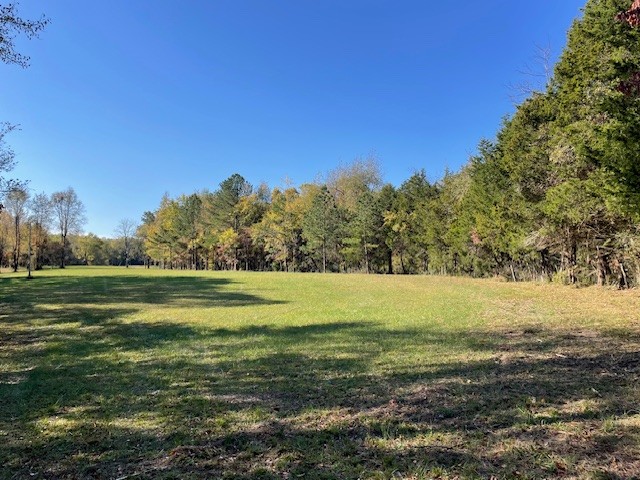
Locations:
(128, 99)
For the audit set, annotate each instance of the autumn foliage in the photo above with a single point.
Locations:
(631, 16)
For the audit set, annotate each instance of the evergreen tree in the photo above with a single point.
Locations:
(321, 226)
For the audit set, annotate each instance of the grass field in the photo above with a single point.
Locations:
(114, 373)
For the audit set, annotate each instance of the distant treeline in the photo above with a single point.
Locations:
(43, 230)
(82, 250)
(555, 196)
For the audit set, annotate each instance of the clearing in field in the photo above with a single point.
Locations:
(114, 373)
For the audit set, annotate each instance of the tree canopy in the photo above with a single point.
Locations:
(555, 195)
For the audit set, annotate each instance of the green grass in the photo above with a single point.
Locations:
(114, 373)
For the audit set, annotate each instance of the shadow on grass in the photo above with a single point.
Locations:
(335, 400)
(108, 290)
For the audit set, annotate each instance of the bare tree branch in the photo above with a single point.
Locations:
(11, 25)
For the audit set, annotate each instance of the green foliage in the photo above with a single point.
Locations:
(557, 193)
(321, 227)
(279, 231)
(222, 209)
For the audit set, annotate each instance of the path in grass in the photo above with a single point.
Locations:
(114, 373)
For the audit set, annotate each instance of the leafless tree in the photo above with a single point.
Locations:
(536, 78)
(40, 207)
(16, 201)
(68, 212)
(125, 230)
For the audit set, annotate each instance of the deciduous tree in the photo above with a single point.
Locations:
(17, 201)
(125, 230)
(69, 214)
(40, 207)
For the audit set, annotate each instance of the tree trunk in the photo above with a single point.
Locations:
(568, 261)
(64, 248)
(29, 255)
(573, 261)
(324, 257)
(624, 282)
(16, 249)
(546, 265)
(366, 257)
(601, 268)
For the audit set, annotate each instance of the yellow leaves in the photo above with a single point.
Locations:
(228, 239)
(398, 221)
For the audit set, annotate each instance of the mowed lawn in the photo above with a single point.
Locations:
(114, 373)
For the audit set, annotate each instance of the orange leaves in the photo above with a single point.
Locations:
(631, 16)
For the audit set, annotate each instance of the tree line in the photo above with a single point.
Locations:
(46, 230)
(28, 223)
(556, 195)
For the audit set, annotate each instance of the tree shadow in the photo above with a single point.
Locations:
(541, 405)
(107, 290)
(91, 396)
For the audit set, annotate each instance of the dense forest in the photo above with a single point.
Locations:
(555, 196)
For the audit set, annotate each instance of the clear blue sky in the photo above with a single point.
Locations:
(128, 99)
